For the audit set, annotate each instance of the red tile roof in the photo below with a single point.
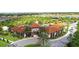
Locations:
(19, 28)
(53, 28)
(35, 25)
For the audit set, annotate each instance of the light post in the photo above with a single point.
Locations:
(71, 33)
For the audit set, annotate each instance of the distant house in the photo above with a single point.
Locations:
(55, 17)
(55, 29)
(5, 28)
(52, 30)
(18, 29)
(35, 28)
(69, 16)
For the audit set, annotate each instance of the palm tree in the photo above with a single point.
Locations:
(43, 39)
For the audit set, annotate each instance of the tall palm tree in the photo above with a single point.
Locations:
(43, 39)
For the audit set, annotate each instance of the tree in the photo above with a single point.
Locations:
(74, 41)
(43, 38)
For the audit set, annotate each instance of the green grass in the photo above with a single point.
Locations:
(3, 43)
(74, 40)
(9, 37)
(33, 45)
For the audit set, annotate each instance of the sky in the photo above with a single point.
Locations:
(38, 6)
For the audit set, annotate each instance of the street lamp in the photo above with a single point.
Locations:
(71, 33)
(71, 30)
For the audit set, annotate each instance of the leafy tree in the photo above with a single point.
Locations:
(74, 42)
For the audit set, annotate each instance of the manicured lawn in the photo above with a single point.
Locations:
(33, 45)
(3, 43)
(9, 37)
